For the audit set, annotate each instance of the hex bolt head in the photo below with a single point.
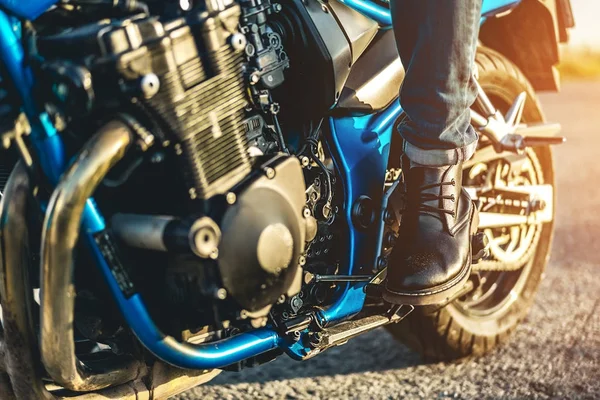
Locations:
(238, 41)
(315, 339)
(537, 205)
(150, 85)
(390, 239)
(270, 172)
(220, 294)
(231, 198)
(304, 161)
(295, 336)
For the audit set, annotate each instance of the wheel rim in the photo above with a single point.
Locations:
(495, 291)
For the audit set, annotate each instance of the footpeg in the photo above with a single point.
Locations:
(342, 332)
(506, 131)
(517, 143)
(479, 247)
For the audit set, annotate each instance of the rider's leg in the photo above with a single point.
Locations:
(436, 40)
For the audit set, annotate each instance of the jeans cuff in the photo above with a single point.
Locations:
(439, 158)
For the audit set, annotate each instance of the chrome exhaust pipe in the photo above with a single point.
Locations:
(19, 352)
(59, 238)
(163, 382)
(19, 340)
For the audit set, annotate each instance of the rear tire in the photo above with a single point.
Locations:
(454, 332)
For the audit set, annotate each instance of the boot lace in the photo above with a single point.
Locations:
(426, 197)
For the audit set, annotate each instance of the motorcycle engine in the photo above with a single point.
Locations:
(198, 86)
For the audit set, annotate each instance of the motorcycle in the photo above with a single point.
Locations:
(205, 186)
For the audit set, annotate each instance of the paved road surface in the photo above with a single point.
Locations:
(554, 354)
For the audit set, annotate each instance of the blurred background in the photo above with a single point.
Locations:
(555, 352)
(581, 57)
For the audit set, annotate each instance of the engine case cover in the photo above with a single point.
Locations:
(263, 236)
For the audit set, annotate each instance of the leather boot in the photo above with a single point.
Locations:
(432, 258)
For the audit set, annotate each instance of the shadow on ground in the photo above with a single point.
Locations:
(378, 351)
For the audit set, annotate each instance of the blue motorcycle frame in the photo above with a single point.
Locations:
(359, 145)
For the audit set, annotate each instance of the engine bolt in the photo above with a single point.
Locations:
(315, 339)
(243, 314)
(150, 85)
(304, 161)
(301, 260)
(270, 172)
(254, 78)
(296, 303)
(537, 205)
(238, 41)
(306, 212)
(231, 198)
(390, 239)
(185, 5)
(382, 263)
(220, 294)
(281, 299)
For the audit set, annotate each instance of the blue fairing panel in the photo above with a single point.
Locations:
(492, 7)
(29, 9)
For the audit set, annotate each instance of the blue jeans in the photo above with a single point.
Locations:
(437, 40)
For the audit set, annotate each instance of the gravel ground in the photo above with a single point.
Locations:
(555, 353)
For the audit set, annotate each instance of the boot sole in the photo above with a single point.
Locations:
(440, 294)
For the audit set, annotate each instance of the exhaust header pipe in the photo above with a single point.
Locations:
(18, 345)
(71, 205)
(59, 238)
(17, 337)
